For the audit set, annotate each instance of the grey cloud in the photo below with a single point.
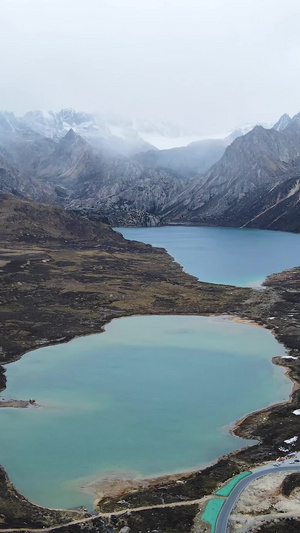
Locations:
(206, 64)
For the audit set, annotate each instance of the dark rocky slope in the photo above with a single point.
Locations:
(277, 209)
(242, 186)
(13, 183)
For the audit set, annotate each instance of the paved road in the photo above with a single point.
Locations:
(222, 521)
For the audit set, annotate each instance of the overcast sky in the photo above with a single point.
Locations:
(204, 64)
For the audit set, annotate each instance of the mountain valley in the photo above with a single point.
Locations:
(245, 180)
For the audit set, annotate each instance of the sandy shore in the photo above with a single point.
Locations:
(19, 404)
(240, 320)
(115, 484)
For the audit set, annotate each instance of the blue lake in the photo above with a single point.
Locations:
(151, 395)
(233, 256)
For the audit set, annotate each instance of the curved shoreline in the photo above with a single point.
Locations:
(112, 486)
(266, 410)
(178, 293)
(212, 319)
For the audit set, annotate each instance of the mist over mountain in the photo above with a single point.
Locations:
(114, 135)
(187, 161)
(82, 172)
(105, 170)
(86, 162)
(193, 159)
(111, 132)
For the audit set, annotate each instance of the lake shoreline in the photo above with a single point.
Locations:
(268, 308)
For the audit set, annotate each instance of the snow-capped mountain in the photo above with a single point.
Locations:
(111, 132)
(245, 128)
(102, 132)
(56, 125)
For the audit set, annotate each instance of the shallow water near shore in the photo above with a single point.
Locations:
(151, 395)
(230, 256)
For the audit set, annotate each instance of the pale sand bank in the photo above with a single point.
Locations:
(19, 404)
(116, 484)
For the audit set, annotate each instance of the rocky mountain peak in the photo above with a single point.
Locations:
(282, 123)
(71, 135)
(295, 121)
(72, 140)
(292, 131)
(8, 122)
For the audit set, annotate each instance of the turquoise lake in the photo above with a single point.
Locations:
(233, 256)
(151, 395)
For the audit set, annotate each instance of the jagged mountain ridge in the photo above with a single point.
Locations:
(84, 175)
(250, 167)
(81, 174)
(193, 159)
(91, 127)
(282, 123)
(71, 171)
(111, 188)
